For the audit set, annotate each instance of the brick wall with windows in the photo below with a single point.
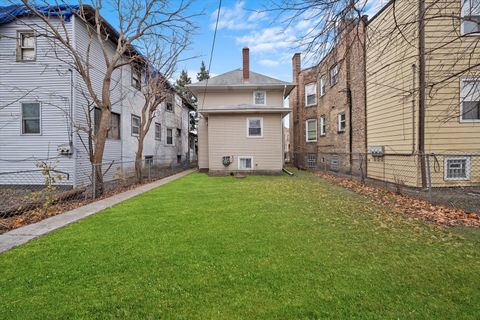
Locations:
(339, 76)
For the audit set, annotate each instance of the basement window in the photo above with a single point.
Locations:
(26, 46)
(470, 100)
(245, 163)
(311, 160)
(457, 168)
(470, 17)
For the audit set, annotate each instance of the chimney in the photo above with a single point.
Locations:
(246, 64)
(296, 67)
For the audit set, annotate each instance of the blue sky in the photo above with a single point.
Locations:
(243, 23)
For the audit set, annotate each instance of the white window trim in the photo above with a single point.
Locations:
(245, 157)
(264, 98)
(19, 45)
(323, 86)
(166, 137)
(323, 124)
(462, 100)
(306, 130)
(305, 89)
(40, 118)
(139, 124)
(338, 122)
(261, 127)
(467, 168)
(462, 23)
(160, 130)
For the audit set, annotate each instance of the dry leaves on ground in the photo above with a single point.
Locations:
(404, 204)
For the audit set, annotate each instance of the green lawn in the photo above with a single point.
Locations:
(254, 248)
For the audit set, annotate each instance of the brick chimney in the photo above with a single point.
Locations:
(246, 64)
(296, 67)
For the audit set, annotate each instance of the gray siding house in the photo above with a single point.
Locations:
(44, 106)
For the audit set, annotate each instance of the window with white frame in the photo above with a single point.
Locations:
(259, 97)
(136, 77)
(334, 75)
(170, 136)
(323, 86)
(470, 17)
(158, 131)
(26, 46)
(323, 126)
(114, 128)
(311, 160)
(310, 94)
(135, 125)
(31, 118)
(470, 100)
(457, 168)
(342, 123)
(255, 127)
(311, 130)
(245, 163)
(169, 103)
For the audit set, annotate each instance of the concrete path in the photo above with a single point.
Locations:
(24, 234)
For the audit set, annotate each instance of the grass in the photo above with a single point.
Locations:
(253, 248)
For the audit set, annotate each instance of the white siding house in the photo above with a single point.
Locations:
(44, 106)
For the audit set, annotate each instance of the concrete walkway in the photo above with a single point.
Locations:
(24, 234)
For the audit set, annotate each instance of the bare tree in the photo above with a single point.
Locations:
(138, 20)
(159, 65)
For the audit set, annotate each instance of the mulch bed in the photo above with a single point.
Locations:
(404, 204)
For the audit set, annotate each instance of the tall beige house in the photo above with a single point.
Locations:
(241, 122)
(423, 92)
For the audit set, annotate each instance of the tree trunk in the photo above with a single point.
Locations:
(98, 151)
(138, 158)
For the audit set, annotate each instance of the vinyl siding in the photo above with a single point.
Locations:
(227, 136)
(390, 78)
(234, 97)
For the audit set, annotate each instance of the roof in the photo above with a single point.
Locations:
(246, 108)
(234, 80)
(10, 13)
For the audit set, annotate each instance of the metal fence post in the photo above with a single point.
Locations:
(149, 168)
(429, 177)
(94, 180)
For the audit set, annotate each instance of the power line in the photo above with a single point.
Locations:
(211, 51)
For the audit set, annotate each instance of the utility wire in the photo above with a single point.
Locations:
(211, 51)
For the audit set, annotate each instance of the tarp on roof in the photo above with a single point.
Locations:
(12, 12)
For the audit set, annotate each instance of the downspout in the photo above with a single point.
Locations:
(421, 88)
(73, 105)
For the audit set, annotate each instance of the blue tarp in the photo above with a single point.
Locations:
(12, 12)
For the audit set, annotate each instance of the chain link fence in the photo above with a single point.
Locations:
(450, 179)
(31, 195)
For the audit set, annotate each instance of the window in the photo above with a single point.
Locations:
(259, 97)
(158, 131)
(311, 130)
(323, 86)
(311, 160)
(135, 125)
(169, 136)
(470, 17)
(136, 77)
(148, 160)
(179, 132)
(113, 131)
(169, 103)
(323, 126)
(26, 46)
(470, 100)
(310, 94)
(254, 127)
(334, 75)
(341, 122)
(245, 163)
(457, 168)
(31, 118)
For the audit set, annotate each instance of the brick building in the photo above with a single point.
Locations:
(328, 120)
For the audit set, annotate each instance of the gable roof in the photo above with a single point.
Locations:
(234, 80)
